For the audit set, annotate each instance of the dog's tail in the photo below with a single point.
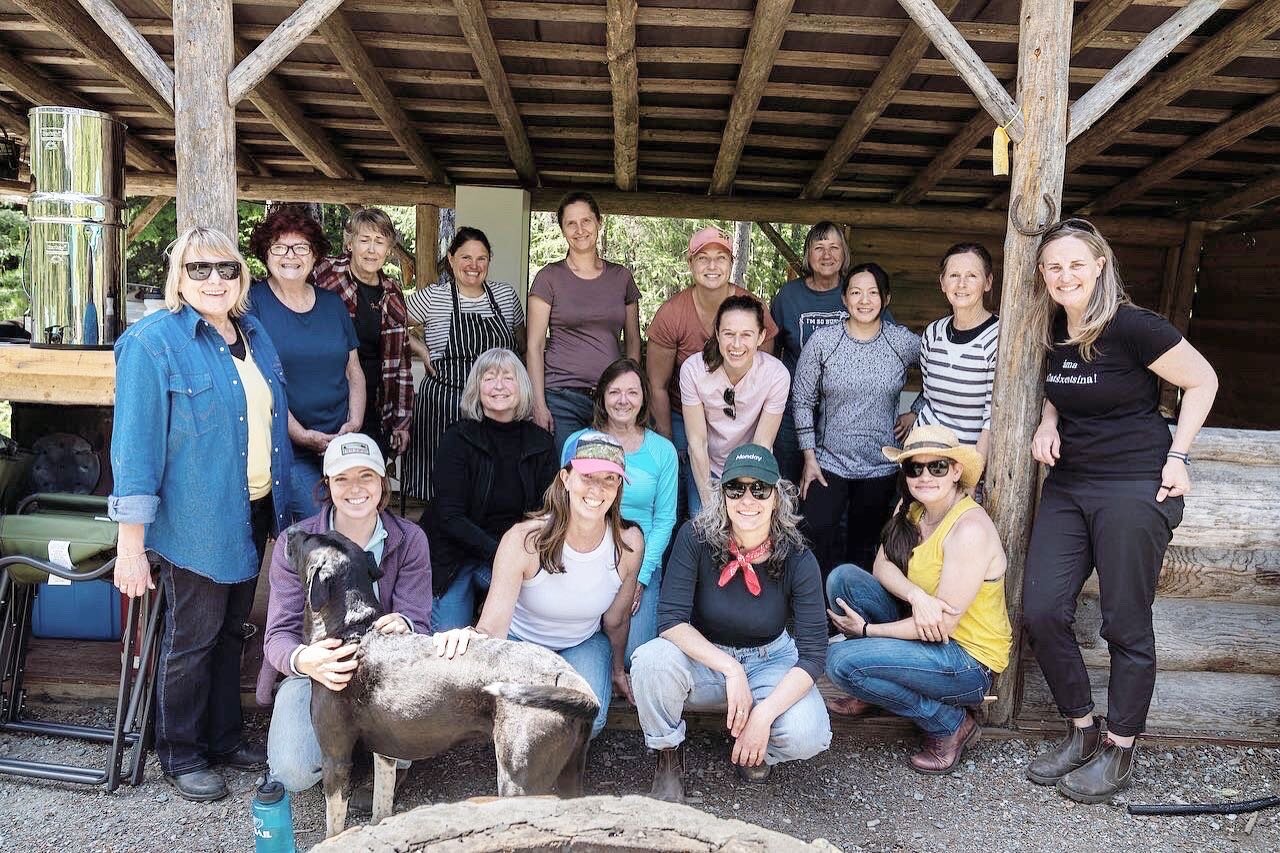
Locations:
(566, 700)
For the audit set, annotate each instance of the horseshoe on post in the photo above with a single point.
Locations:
(1015, 217)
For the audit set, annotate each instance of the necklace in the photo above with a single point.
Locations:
(925, 521)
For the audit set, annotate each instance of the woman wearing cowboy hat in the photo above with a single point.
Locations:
(927, 629)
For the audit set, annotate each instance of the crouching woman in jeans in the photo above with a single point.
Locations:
(924, 643)
(355, 478)
(738, 574)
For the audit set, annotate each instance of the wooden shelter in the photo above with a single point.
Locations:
(1160, 119)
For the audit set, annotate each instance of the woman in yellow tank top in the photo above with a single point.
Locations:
(925, 642)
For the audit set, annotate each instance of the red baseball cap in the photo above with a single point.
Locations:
(709, 236)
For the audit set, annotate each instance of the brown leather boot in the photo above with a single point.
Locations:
(941, 754)
(668, 776)
(1071, 752)
(847, 706)
(1109, 772)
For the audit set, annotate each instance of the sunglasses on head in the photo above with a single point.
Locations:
(937, 468)
(729, 408)
(735, 489)
(200, 270)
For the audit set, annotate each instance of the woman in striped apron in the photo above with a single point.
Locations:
(460, 320)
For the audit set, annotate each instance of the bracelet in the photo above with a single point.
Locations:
(1180, 456)
(864, 629)
(120, 555)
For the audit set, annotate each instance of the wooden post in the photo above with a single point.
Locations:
(1044, 52)
(204, 122)
(426, 245)
(1177, 296)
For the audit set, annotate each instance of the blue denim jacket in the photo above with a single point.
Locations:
(179, 447)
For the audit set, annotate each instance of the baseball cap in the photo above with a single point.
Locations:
(751, 460)
(709, 236)
(595, 452)
(353, 450)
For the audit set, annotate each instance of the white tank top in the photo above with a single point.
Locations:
(559, 610)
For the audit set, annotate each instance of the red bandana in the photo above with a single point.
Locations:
(743, 560)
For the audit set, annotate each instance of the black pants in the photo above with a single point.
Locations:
(198, 681)
(1117, 527)
(861, 506)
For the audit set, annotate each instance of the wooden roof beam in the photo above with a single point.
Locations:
(143, 217)
(353, 58)
(474, 24)
(133, 46)
(783, 247)
(272, 50)
(900, 65)
(1259, 192)
(1202, 147)
(624, 81)
(1127, 72)
(768, 26)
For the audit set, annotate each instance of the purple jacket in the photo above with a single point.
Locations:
(405, 588)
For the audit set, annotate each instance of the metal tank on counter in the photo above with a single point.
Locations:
(76, 260)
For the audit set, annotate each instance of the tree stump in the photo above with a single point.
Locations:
(585, 825)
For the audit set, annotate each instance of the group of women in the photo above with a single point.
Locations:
(555, 487)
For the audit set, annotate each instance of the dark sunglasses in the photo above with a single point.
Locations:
(936, 468)
(200, 270)
(735, 489)
(729, 408)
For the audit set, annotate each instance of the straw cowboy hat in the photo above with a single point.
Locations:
(937, 440)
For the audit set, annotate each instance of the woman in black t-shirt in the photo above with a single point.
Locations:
(1111, 501)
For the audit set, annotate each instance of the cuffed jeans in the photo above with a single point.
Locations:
(572, 411)
(307, 470)
(927, 683)
(1117, 527)
(456, 608)
(593, 660)
(666, 681)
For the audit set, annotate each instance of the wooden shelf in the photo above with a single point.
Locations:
(62, 376)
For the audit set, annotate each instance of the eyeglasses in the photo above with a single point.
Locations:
(735, 489)
(200, 270)
(301, 250)
(936, 468)
(729, 408)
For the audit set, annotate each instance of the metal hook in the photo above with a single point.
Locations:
(1015, 217)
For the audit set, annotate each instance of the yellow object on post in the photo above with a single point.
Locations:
(1000, 151)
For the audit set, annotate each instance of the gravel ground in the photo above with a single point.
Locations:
(859, 796)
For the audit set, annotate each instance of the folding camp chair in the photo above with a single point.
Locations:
(75, 530)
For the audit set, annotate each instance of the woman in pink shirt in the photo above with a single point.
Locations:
(733, 395)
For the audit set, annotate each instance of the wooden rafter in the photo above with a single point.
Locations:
(1096, 17)
(143, 217)
(902, 62)
(133, 46)
(783, 247)
(272, 50)
(624, 81)
(1256, 193)
(768, 26)
(1206, 145)
(356, 62)
(474, 24)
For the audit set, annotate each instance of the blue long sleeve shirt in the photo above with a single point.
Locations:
(179, 446)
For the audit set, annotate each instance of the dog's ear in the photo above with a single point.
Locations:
(320, 591)
(375, 570)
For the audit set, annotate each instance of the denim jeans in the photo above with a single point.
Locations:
(666, 681)
(927, 683)
(572, 411)
(457, 607)
(644, 622)
(593, 660)
(681, 441)
(307, 471)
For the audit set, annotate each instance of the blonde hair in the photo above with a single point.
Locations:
(373, 218)
(213, 242)
(496, 359)
(1107, 297)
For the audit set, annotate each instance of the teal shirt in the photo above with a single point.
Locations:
(649, 500)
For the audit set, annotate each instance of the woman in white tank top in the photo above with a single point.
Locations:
(565, 579)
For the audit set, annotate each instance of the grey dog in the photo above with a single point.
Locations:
(403, 701)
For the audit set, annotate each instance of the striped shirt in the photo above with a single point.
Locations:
(957, 378)
(432, 308)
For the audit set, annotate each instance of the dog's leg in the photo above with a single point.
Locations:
(569, 784)
(337, 776)
(384, 787)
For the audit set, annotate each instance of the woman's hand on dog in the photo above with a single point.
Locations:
(392, 623)
(749, 747)
(454, 641)
(328, 662)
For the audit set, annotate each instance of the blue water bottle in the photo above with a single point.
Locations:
(272, 818)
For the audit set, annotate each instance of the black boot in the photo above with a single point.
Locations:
(668, 777)
(1073, 751)
(1110, 771)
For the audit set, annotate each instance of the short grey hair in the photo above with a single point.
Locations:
(497, 358)
(712, 526)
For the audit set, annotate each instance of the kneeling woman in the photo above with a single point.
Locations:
(738, 575)
(925, 642)
(565, 579)
(358, 493)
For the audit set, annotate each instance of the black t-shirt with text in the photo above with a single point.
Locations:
(1108, 408)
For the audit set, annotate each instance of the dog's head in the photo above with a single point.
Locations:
(337, 580)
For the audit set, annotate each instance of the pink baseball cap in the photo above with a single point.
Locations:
(595, 452)
(709, 236)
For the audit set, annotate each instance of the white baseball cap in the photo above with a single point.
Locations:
(353, 450)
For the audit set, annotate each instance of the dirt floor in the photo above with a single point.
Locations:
(860, 796)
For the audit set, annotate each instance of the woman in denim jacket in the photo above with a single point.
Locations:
(199, 451)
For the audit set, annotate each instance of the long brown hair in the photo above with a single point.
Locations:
(901, 535)
(548, 540)
(711, 355)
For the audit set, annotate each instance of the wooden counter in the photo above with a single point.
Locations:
(62, 376)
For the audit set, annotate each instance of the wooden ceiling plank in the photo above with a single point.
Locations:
(1256, 193)
(273, 49)
(133, 46)
(474, 23)
(769, 25)
(624, 81)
